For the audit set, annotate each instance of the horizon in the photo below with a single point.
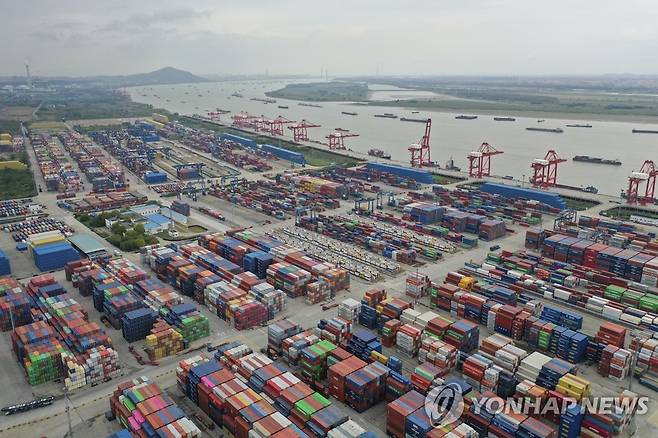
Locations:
(481, 38)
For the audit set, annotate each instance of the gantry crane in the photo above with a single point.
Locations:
(275, 126)
(647, 173)
(420, 153)
(545, 170)
(299, 130)
(337, 139)
(259, 123)
(242, 120)
(199, 168)
(479, 162)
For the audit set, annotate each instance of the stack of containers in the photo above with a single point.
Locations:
(5, 268)
(15, 305)
(137, 324)
(417, 285)
(614, 363)
(350, 310)
(408, 339)
(337, 374)
(189, 322)
(399, 410)
(280, 330)
(257, 263)
(163, 341)
(143, 408)
(314, 360)
(274, 300)
(39, 351)
(363, 343)
(438, 353)
(464, 335)
(289, 278)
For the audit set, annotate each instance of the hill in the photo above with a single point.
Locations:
(167, 75)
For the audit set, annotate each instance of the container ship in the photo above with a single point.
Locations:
(597, 160)
(504, 119)
(348, 113)
(411, 119)
(578, 125)
(379, 154)
(645, 131)
(387, 116)
(555, 130)
(464, 117)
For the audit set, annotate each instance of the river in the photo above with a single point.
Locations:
(451, 138)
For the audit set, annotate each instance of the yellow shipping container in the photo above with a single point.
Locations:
(46, 240)
(5, 136)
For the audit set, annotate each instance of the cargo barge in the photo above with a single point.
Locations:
(597, 160)
(645, 131)
(410, 119)
(578, 125)
(504, 119)
(348, 113)
(387, 116)
(554, 130)
(464, 117)
(379, 154)
(309, 104)
(283, 107)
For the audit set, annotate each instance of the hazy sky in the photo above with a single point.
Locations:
(80, 37)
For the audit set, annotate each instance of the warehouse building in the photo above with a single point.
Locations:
(88, 246)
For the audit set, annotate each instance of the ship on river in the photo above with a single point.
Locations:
(349, 113)
(579, 125)
(645, 131)
(504, 119)
(464, 117)
(387, 116)
(596, 160)
(411, 119)
(555, 130)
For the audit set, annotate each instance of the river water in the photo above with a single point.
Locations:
(451, 138)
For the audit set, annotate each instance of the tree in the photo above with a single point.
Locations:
(139, 229)
(118, 229)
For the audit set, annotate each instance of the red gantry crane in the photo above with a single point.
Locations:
(545, 170)
(300, 130)
(647, 173)
(420, 153)
(337, 140)
(242, 120)
(479, 162)
(260, 123)
(275, 126)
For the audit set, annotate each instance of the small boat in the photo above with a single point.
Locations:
(464, 117)
(282, 107)
(414, 112)
(541, 121)
(237, 95)
(379, 154)
(342, 130)
(504, 119)
(349, 113)
(576, 125)
(450, 165)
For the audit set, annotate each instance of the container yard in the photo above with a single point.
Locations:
(371, 289)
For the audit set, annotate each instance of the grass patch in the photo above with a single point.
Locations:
(323, 92)
(12, 127)
(16, 184)
(196, 229)
(579, 204)
(445, 179)
(625, 212)
(47, 126)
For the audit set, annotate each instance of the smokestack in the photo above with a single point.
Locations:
(27, 74)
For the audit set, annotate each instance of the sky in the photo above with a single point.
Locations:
(357, 37)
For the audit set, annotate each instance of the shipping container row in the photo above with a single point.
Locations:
(274, 199)
(58, 174)
(141, 306)
(94, 202)
(52, 337)
(131, 150)
(103, 173)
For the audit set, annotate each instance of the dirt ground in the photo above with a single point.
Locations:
(16, 113)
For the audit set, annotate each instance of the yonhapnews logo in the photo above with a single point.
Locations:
(444, 404)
